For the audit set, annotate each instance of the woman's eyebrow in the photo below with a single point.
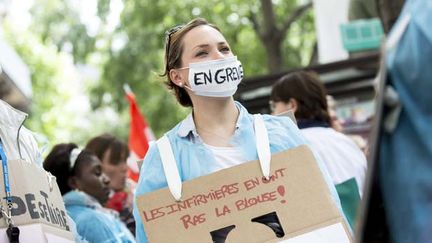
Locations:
(201, 46)
(207, 45)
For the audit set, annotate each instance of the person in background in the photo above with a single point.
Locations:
(303, 93)
(114, 153)
(336, 124)
(85, 189)
(219, 133)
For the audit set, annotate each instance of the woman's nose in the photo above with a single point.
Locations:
(217, 55)
(105, 179)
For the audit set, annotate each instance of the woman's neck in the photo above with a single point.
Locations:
(215, 120)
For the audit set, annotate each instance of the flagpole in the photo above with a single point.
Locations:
(127, 89)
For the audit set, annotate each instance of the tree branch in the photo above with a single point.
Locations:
(255, 24)
(297, 13)
(268, 16)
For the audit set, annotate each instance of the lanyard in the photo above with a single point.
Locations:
(12, 232)
(6, 179)
(5, 174)
(6, 183)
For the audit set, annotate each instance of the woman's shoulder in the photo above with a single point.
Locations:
(152, 156)
(152, 168)
(273, 121)
(97, 226)
(89, 215)
(279, 122)
(283, 131)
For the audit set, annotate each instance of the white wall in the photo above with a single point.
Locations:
(329, 14)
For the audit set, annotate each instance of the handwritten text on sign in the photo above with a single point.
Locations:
(225, 191)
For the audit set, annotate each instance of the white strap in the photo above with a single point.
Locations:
(170, 167)
(262, 145)
(397, 32)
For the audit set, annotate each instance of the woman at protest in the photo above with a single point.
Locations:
(113, 154)
(219, 132)
(303, 93)
(85, 188)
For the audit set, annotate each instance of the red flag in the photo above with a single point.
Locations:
(140, 135)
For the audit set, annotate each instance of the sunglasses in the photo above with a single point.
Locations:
(168, 35)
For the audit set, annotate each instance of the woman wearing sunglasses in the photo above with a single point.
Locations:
(203, 74)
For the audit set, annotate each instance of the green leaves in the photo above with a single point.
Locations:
(52, 113)
(133, 53)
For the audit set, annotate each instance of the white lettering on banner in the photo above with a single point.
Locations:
(220, 76)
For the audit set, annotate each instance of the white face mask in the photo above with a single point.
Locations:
(216, 78)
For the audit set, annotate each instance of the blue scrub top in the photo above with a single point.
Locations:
(194, 159)
(93, 222)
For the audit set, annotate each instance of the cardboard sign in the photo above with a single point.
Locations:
(36, 197)
(231, 199)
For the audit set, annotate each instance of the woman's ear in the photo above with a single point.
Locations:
(176, 77)
(73, 183)
(293, 105)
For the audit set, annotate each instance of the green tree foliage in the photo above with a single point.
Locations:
(58, 23)
(59, 111)
(143, 23)
(51, 85)
(271, 29)
(133, 53)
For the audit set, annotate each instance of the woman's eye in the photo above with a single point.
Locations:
(225, 49)
(98, 172)
(201, 53)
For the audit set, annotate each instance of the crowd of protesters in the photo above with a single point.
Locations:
(219, 133)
